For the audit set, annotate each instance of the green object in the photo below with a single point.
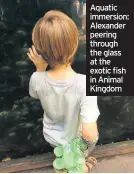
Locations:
(71, 156)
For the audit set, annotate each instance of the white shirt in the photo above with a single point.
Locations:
(65, 106)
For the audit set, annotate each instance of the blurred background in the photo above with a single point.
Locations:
(20, 115)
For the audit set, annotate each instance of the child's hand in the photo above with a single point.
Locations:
(90, 163)
(37, 59)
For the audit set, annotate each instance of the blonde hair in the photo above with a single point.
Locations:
(55, 37)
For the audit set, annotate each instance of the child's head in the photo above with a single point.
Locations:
(55, 36)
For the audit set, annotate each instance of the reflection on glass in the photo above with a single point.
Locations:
(79, 14)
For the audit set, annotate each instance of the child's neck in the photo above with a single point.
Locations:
(61, 73)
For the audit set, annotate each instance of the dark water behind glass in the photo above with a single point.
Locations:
(20, 115)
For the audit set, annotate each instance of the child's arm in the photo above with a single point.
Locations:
(41, 66)
(32, 86)
(89, 113)
(90, 136)
(37, 59)
(89, 131)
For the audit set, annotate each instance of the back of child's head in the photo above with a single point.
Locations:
(55, 37)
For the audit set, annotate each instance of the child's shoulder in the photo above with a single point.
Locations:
(82, 78)
(37, 76)
(81, 81)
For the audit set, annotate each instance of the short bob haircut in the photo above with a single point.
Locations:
(55, 37)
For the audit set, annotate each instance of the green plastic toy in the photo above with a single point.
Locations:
(71, 157)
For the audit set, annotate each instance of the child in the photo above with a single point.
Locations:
(61, 91)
